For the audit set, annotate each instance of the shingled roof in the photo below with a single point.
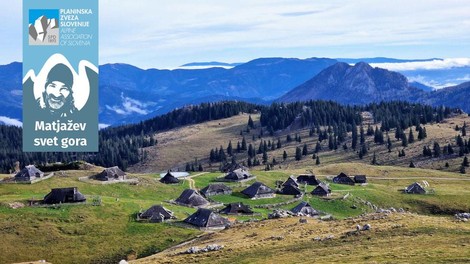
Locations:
(64, 195)
(157, 213)
(238, 175)
(304, 208)
(205, 218)
(291, 181)
(321, 190)
(113, 173)
(415, 188)
(216, 189)
(342, 178)
(192, 198)
(360, 179)
(28, 173)
(169, 178)
(236, 208)
(258, 190)
(308, 179)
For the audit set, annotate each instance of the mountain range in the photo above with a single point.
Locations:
(129, 94)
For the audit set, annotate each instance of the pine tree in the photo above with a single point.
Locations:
(437, 150)
(363, 138)
(188, 167)
(229, 148)
(462, 170)
(354, 136)
(274, 161)
(284, 155)
(450, 150)
(288, 138)
(318, 147)
(305, 150)
(370, 130)
(249, 162)
(279, 145)
(265, 157)
(389, 144)
(447, 165)
(317, 161)
(404, 140)
(420, 133)
(251, 124)
(411, 137)
(331, 144)
(251, 151)
(200, 167)
(464, 129)
(412, 165)
(222, 156)
(374, 160)
(244, 144)
(239, 148)
(298, 153)
(465, 162)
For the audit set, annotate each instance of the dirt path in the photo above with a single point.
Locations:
(192, 184)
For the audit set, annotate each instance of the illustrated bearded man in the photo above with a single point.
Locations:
(57, 98)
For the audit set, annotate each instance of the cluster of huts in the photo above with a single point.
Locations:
(205, 218)
(68, 194)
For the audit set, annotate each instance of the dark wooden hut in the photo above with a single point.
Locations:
(169, 178)
(360, 179)
(415, 188)
(157, 214)
(29, 173)
(64, 195)
(259, 190)
(236, 208)
(205, 218)
(308, 179)
(238, 175)
(305, 209)
(216, 189)
(321, 190)
(342, 178)
(191, 198)
(111, 174)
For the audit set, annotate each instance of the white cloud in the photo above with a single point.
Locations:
(163, 34)
(425, 65)
(130, 106)
(101, 126)
(10, 121)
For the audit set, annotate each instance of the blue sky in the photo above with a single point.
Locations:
(166, 34)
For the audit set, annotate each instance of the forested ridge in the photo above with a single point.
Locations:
(118, 146)
(123, 145)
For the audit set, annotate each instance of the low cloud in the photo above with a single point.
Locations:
(425, 65)
(101, 126)
(10, 121)
(130, 106)
(431, 83)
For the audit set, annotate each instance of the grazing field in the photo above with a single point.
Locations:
(107, 233)
(393, 238)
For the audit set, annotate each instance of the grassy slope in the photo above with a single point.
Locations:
(187, 143)
(82, 233)
(85, 233)
(396, 238)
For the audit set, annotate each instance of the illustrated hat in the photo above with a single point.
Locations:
(60, 73)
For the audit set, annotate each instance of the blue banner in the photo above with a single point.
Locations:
(60, 75)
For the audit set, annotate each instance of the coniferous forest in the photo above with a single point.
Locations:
(123, 145)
